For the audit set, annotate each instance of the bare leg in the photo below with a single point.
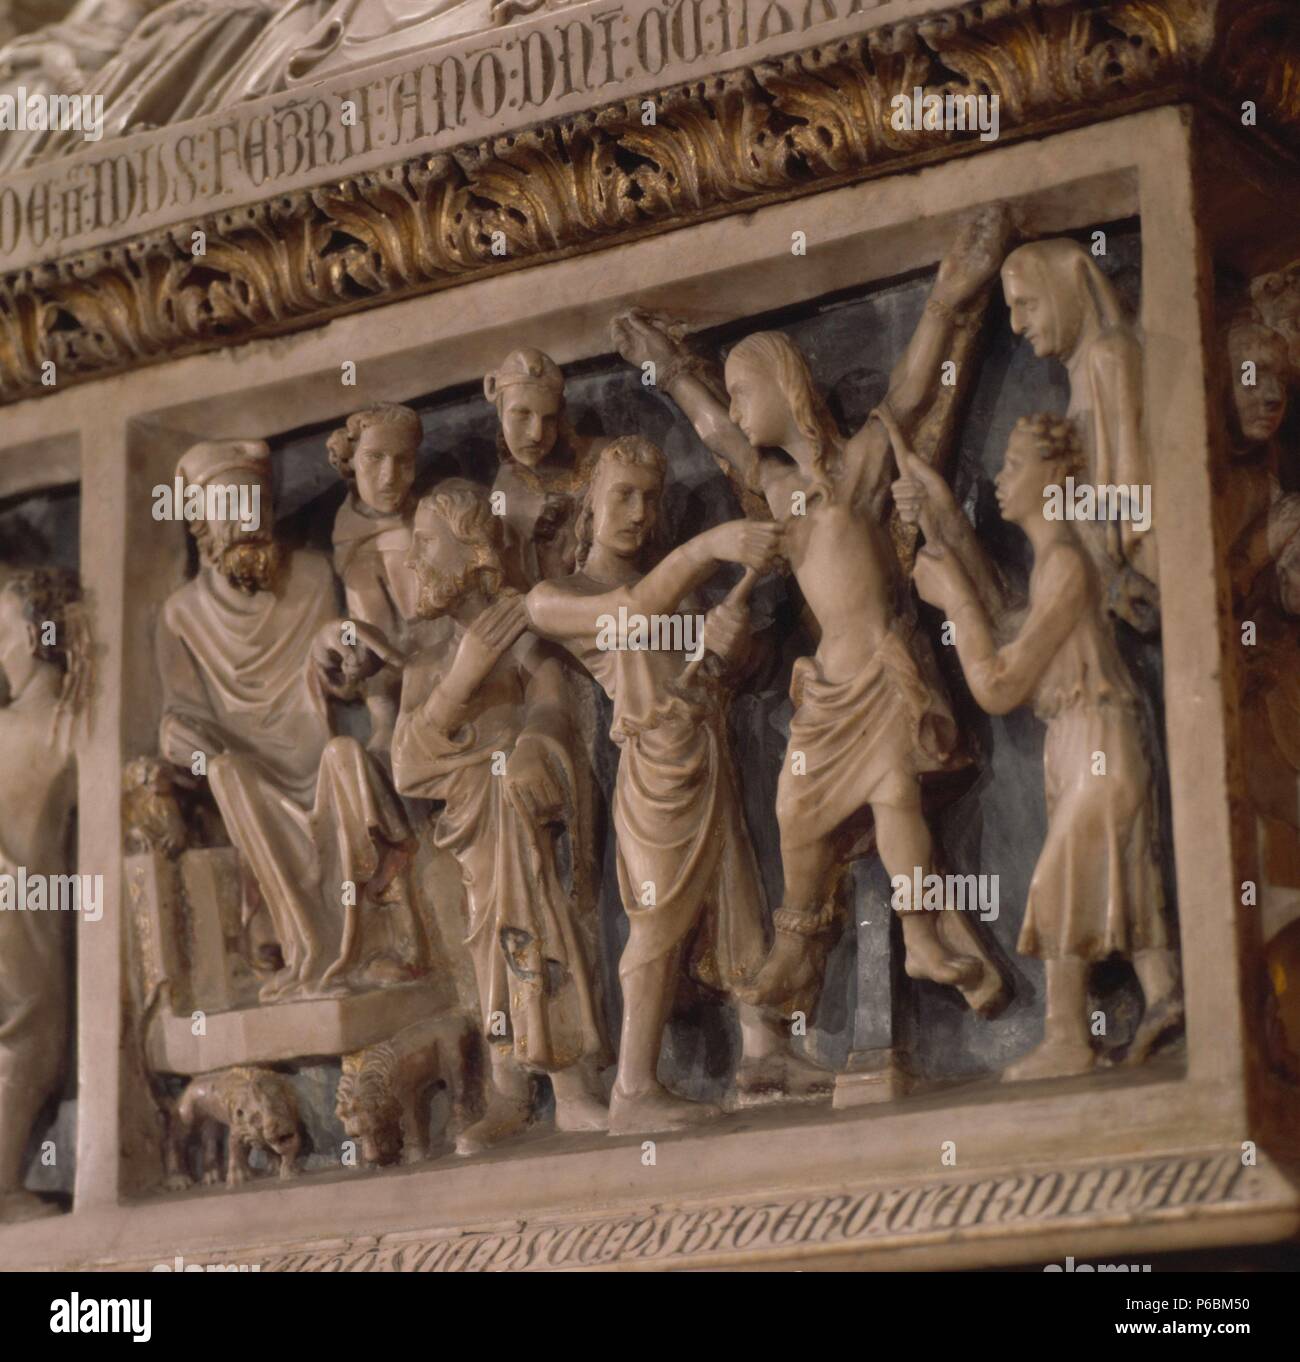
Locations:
(1066, 1048)
(1157, 972)
(905, 846)
(792, 973)
(640, 1104)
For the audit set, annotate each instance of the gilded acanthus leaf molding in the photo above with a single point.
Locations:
(774, 130)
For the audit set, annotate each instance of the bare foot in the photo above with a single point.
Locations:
(505, 1118)
(655, 1110)
(580, 1112)
(279, 985)
(1052, 1059)
(788, 977)
(925, 957)
(1160, 1019)
(987, 994)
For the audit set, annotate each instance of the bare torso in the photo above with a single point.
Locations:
(844, 564)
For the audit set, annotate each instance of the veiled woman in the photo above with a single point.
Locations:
(1068, 310)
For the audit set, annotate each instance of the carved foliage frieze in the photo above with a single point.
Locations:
(776, 129)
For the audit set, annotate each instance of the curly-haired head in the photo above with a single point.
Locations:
(1054, 439)
(47, 596)
(632, 452)
(465, 509)
(342, 444)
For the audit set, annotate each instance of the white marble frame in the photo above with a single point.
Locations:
(129, 431)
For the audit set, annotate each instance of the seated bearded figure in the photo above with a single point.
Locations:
(250, 653)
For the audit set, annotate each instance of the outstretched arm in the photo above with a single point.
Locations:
(972, 261)
(642, 340)
(1001, 679)
(924, 498)
(974, 258)
(558, 613)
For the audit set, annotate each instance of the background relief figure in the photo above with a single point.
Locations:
(545, 463)
(1096, 889)
(686, 870)
(1068, 310)
(1262, 526)
(870, 717)
(250, 650)
(492, 693)
(375, 455)
(45, 663)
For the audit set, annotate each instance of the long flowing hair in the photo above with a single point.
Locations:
(774, 355)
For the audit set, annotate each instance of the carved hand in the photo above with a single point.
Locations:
(640, 340)
(343, 666)
(726, 631)
(495, 629)
(975, 256)
(751, 543)
(921, 492)
(530, 787)
(939, 579)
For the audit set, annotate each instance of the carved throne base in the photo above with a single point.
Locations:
(286, 1031)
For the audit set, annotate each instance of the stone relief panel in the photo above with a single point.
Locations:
(616, 748)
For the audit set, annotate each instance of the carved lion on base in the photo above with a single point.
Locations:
(383, 1094)
(257, 1107)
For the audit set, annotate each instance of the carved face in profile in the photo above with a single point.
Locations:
(378, 1134)
(624, 506)
(758, 405)
(1045, 289)
(530, 421)
(384, 467)
(1022, 479)
(1031, 314)
(1260, 406)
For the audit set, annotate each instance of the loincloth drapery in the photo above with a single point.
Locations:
(889, 719)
